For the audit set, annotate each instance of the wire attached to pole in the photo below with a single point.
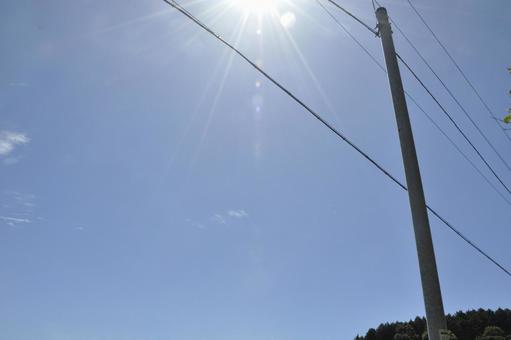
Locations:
(458, 67)
(414, 101)
(189, 15)
(372, 30)
(451, 94)
(454, 123)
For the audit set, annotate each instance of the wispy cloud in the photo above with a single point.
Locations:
(197, 225)
(22, 199)
(17, 208)
(237, 213)
(14, 221)
(9, 140)
(218, 218)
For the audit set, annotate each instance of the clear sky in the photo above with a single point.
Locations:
(153, 186)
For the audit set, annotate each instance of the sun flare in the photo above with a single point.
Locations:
(258, 6)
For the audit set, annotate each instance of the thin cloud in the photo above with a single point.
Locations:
(14, 221)
(17, 208)
(237, 213)
(9, 140)
(22, 199)
(197, 225)
(219, 219)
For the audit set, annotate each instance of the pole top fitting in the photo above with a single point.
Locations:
(382, 16)
(381, 10)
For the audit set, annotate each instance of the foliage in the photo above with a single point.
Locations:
(507, 119)
(452, 336)
(471, 325)
(493, 333)
(405, 331)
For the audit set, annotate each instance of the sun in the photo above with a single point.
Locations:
(255, 6)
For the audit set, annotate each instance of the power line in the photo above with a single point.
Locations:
(453, 122)
(450, 226)
(374, 5)
(285, 90)
(372, 30)
(451, 141)
(182, 10)
(375, 60)
(451, 94)
(490, 183)
(458, 103)
(464, 75)
(347, 31)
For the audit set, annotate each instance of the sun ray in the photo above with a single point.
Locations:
(240, 29)
(316, 84)
(123, 24)
(254, 6)
(212, 79)
(211, 15)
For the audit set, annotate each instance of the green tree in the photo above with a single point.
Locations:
(405, 331)
(507, 119)
(469, 325)
(452, 336)
(493, 333)
(371, 334)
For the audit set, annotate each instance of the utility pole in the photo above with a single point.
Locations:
(429, 275)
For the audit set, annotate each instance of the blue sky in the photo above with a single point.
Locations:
(154, 186)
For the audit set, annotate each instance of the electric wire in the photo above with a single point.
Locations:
(451, 94)
(382, 68)
(285, 90)
(458, 67)
(482, 252)
(372, 30)
(414, 74)
(442, 108)
(190, 16)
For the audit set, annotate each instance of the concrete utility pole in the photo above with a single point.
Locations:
(429, 276)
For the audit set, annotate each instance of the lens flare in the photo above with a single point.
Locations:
(258, 6)
(288, 20)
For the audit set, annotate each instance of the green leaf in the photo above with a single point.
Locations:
(507, 119)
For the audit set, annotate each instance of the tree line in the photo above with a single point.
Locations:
(478, 324)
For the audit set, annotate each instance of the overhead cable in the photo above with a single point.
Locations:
(414, 101)
(451, 94)
(458, 67)
(182, 10)
(449, 116)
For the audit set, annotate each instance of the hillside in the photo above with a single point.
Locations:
(471, 325)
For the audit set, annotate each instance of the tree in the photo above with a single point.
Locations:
(405, 331)
(371, 334)
(469, 325)
(493, 333)
(507, 119)
(452, 336)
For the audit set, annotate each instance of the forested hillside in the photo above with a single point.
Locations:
(471, 325)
